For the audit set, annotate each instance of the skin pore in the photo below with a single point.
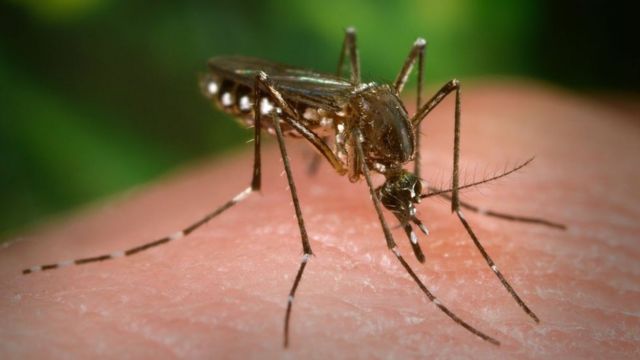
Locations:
(221, 292)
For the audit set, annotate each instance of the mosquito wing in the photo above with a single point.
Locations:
(313, 89)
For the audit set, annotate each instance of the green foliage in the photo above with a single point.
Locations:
(100, 95)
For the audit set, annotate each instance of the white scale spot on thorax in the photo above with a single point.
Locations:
(326, 122)
(379, 167)
(226, 99)
(245, 103)
(310, 114)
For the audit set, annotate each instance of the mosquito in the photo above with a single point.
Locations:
(360, 129)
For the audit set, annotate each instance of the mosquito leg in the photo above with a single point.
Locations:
(394, 248)
(255, 186)
(316, 161)
(350, 49)
(495, 269)
(417, 52)
(505, 216)
(263, 82)
(433, 191)
(454, 85)
(414, 242)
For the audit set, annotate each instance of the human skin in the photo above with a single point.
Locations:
(221, 292)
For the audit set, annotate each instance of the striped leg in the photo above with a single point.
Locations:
(391, 244)
(433, 191)
(417, 53)
(255, 186)
(454, 86)
(505, 216)
(289, 116)
(494, 267)
(350, 49)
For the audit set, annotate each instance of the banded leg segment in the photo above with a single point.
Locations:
(255, 186)
(505, 216)
(263, 84)
(350, 49)
(417, 53)
(394, 248)
(433, 191)
(454, 85)
(495, 269)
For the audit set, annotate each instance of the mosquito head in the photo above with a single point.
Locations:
(383, 120)
(399, 194)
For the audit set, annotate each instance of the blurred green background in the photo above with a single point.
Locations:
(99, 95)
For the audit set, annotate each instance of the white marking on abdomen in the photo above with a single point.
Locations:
(226, 99)
(212, 87)
(245, 103)
(265, 106)
(35, 269)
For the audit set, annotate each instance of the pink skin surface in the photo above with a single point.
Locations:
(221, 292)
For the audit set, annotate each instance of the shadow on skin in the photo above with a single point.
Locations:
(222, 290)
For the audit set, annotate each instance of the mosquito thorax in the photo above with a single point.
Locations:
(387, 131)
(400, 192)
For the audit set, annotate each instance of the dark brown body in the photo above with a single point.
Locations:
(358, 127)
(329, 106)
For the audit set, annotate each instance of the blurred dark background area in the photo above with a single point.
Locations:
(99, 95)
